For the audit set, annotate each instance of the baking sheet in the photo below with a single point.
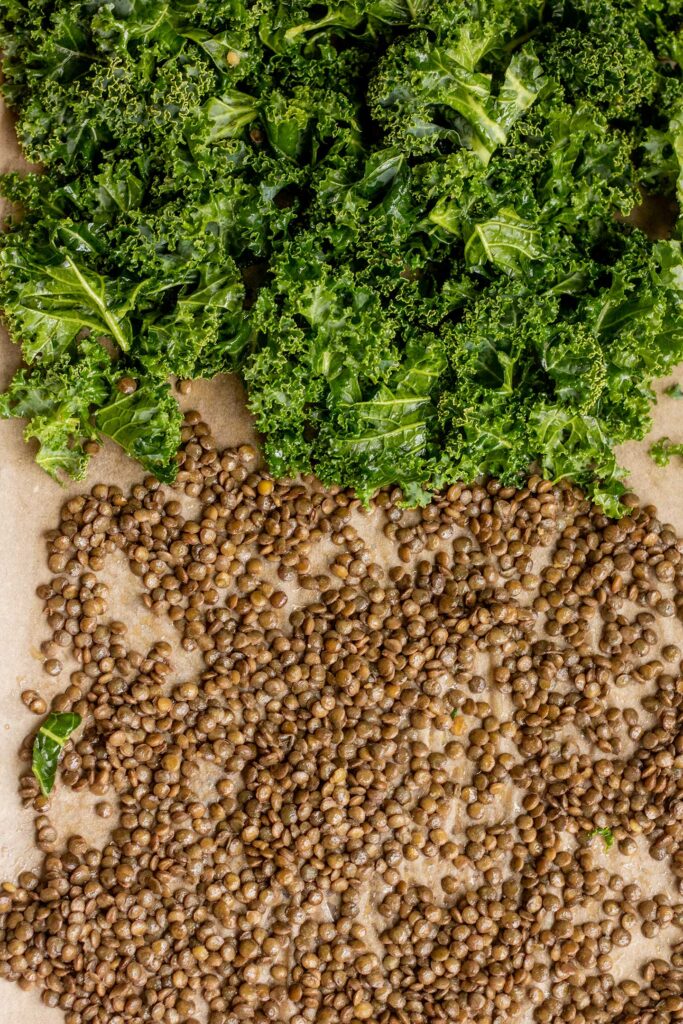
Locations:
(29, 504)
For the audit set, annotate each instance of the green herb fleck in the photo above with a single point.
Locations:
(606, 835)
(455, 712)
(674, 390)
(48, 745)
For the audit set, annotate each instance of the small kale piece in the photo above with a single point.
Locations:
(56, 399)
(605, 834)
(48, 745)
(76, 399)
(664, 450)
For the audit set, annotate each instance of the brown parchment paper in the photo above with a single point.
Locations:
(29, 504)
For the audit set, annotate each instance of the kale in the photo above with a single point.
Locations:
(664, 450)
(405, 223)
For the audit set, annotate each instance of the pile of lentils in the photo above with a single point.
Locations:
(387, 789)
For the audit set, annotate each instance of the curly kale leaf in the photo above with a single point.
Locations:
(75, 399)
(146, 424)
(52, 296)
(506, 240)
(603, 59)
(425, 93)
(56, 400)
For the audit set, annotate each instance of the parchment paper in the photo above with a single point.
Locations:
(29, 504)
